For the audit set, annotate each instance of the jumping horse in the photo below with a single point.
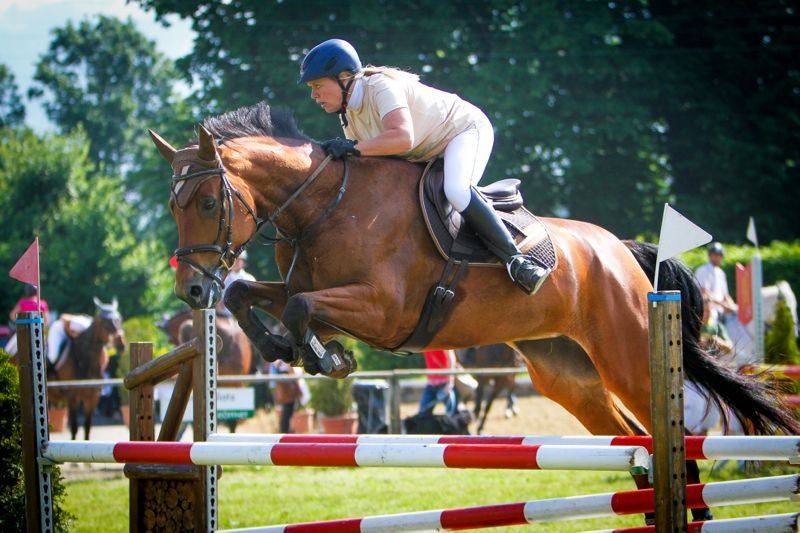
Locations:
(85, 357)
(497, 356)
(357, 258)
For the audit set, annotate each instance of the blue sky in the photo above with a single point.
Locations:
(25, 26)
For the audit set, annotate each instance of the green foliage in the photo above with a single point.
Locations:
(779, 261)
(88, 247)
(12, 110)
(780, 344)
(106, 78)
(332, 397)
(12, 478)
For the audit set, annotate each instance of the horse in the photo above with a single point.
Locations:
(234, 354)
(85, 357)
(493, 355)
(356, 258)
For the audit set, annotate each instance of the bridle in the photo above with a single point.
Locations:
(227, 252)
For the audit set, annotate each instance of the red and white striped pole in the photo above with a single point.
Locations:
(544, 457)
(754, 448)
(611, 504)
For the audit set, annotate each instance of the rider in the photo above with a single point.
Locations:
(387, 112)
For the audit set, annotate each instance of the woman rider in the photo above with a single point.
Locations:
(387, 112)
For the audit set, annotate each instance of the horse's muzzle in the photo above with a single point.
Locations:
(199, 291)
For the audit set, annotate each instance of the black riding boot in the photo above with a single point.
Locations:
(489, 226)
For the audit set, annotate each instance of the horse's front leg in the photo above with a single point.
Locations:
(348, 306)
(270, 296)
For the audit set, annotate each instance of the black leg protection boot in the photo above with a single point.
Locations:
(489, 226)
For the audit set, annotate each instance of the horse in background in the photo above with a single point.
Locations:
(85, 357)
(234, 351)
(491, 356)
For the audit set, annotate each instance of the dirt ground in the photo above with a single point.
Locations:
(536, 416)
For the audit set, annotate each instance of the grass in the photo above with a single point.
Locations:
(256, 496)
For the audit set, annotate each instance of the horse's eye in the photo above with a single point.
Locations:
(208, 205)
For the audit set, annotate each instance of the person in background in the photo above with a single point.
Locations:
(288, 394)
(385, 111)
(439, 388)
(714, 284)
(236, 273)
(28, 303)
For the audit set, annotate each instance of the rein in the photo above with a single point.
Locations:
(228, 253)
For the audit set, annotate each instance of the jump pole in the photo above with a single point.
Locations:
(611, 504)
(698, 447)
(666, 410)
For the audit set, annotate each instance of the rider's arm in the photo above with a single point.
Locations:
(396, 137)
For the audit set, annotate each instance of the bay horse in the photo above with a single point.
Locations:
(85, 357)
(491, 356)
(234, 353)
(356, 257)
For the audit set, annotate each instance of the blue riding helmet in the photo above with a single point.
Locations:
(329, 59)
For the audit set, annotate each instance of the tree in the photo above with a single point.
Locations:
(12, 110)
(83, 223)
(108, 79)
(606, 110)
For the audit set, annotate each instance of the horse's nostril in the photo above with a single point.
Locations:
(196, 291)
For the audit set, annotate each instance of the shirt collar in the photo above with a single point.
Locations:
(357, 96)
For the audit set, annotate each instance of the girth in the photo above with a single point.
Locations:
(459, 245)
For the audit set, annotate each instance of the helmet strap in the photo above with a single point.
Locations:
(343, 109)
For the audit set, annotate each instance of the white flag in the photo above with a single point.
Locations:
(751, 232)
(678, 235)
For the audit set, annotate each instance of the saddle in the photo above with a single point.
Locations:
(459, 246)
(454, 239)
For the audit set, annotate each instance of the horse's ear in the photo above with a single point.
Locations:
(97, 302)
(164, 148)
(208, 147)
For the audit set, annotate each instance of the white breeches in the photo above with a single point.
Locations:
(465, 159)
(57, 333)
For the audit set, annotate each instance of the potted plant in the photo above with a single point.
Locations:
(332, 399)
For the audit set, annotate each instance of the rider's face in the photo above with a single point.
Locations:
(326, 93)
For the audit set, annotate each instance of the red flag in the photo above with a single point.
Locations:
(26, 269)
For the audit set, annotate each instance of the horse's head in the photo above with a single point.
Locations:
(109, 321)
(204, 204)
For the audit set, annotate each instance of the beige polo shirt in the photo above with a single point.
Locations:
(437, 116)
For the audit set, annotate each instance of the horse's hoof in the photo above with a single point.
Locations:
(331, 360)
(509, 413)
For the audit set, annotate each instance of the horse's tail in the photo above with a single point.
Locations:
(756, 403)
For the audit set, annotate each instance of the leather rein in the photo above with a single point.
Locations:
(227, 252)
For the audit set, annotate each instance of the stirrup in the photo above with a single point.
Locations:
(526, 274)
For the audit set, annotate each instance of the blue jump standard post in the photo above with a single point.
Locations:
(666, 410)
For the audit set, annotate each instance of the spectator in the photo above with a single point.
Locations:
(439, 388)
(714, 284)
(29, 303)
(288, 394)
(237, 272)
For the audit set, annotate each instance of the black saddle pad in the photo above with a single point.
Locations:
(454, 238)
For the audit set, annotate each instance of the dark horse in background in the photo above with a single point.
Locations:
(491, 356)
(356, 257)
(85, 357)
(234, 351)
